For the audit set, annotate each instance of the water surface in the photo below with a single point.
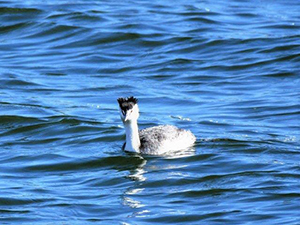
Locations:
(227, 70)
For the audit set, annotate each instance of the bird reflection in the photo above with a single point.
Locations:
(137, 175)
(133, 195)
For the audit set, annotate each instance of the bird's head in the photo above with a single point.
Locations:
(129, 109)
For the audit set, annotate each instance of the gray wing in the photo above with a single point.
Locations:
(152, 138)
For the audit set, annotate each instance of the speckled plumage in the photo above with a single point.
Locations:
(165, 138)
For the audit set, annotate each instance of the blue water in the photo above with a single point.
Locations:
(227, 70)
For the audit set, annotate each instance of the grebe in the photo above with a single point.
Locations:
(154, 140)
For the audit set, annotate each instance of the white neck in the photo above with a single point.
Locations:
(132, 136)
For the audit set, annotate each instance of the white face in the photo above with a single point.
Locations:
(130, 114)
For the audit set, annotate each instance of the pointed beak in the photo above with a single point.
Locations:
(126, 116)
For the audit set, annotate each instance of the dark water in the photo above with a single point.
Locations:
(227, 70)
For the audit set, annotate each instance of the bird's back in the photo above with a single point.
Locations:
(165, 138)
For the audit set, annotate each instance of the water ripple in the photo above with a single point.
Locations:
(228, 71)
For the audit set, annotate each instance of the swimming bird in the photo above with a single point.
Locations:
(154, 140)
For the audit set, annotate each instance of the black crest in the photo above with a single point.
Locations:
(127, 103)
